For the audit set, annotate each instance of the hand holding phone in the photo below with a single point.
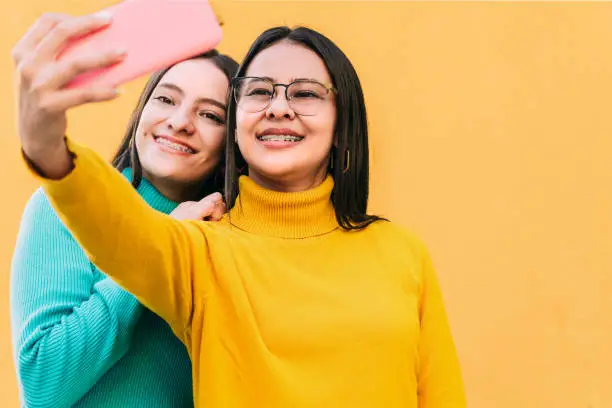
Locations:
(153, 33)
(63, 62)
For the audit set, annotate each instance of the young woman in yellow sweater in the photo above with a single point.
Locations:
(297, 298)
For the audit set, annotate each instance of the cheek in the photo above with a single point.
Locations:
(330, 118)
(216, 141)
(321, 125)
(139, 138)
(245, 122)
(212, 139)
(329, 125)
(148, 118)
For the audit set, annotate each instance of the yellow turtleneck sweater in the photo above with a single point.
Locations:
(277, 305)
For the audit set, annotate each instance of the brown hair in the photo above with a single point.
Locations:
(127, 154)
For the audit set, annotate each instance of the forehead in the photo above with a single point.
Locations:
(199, 77)
(286, 61)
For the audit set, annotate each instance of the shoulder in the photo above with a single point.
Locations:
(38, 201)
(40, 218)
(39, 208)
(395, 235)
(399, 246)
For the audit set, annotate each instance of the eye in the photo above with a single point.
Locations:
(258, 91)
(211, 116)
(306, 94)
(164, 100)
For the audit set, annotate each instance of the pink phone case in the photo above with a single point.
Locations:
(154, 33)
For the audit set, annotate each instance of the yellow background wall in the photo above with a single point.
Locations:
(491, 137)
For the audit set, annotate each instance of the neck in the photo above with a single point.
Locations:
(151, 194)
(289, 184)
(173, 190)
(289, 215)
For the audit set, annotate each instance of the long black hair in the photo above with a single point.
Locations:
(349, 165)
(127, 154)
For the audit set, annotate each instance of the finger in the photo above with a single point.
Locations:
(218, 212)
(215, 8)
(58, 75)
(206, 206)
(182, 209)
(204, 210)
(213, 198)
(39, 30)
(59, 102)
(70, 29)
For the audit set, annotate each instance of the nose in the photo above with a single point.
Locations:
(181, 121)
(279, 107)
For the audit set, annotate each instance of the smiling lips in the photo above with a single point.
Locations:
(173, 145)
(272, 137)
(279, 137)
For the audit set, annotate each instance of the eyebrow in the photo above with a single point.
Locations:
(293, 79)
(178, 89)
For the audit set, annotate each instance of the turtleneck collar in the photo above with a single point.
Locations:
(296, 215)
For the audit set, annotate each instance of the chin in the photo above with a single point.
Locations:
(276, 168)
(164, 171)
(279, 173)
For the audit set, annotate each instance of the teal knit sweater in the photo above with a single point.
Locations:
(79, 339)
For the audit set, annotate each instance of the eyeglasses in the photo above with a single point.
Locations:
(304, 96)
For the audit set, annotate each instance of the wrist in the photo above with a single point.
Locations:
(53, 161)
(37, 151)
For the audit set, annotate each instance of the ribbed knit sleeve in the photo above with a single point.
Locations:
(69, 328)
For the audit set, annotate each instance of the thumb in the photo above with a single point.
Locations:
(207, 206)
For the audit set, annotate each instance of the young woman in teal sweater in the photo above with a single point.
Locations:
(79, 339)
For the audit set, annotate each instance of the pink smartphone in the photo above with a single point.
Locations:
(154, 33)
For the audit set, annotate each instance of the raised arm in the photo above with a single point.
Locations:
(153, 256)
(148, 253)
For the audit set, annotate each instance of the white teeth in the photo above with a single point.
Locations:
(173, 145)
(280, 138)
